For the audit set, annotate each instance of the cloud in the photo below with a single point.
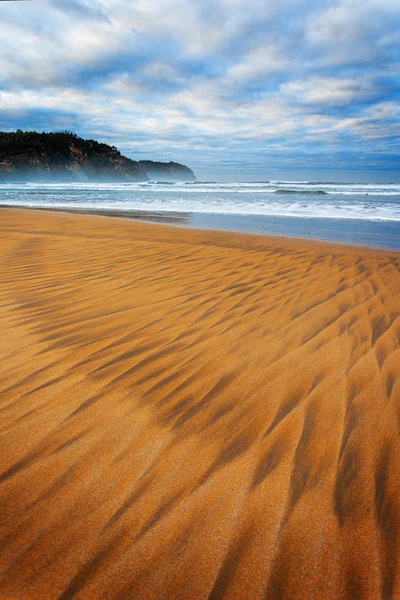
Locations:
(355, 32)
(351, 20)
(258, 64)
(217, 81)
(329, 91)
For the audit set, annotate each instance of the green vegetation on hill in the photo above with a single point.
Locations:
(65, 156)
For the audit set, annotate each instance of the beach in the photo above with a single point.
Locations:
(193, 414)
(361, 214)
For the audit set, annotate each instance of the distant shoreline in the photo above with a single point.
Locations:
(374, 235)
(150, 216)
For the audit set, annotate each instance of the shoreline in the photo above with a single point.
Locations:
(182, 220)
(195, 414)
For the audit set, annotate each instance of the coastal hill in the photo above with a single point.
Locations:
(64, 156)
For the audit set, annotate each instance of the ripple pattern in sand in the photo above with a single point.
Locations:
(195, 415)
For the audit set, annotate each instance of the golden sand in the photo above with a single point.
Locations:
(193, 415)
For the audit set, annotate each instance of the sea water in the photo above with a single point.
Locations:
(354, 213)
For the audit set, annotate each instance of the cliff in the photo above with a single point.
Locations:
(64, 156)
(171, 171)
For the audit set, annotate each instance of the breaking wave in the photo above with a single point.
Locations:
(301, 199)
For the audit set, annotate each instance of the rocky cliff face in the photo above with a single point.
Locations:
(66, 157)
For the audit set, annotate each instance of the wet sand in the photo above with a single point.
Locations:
(188, 414)
(375, 234)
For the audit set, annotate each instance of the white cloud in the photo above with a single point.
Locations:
(327, 91)
(183, 74)
(257, 64)
(350, 20)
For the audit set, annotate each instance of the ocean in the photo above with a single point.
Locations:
(367, 214)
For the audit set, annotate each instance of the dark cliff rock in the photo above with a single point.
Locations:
(64, 156)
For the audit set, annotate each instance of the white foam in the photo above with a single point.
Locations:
(373, 202)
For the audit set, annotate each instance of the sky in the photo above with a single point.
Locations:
(235, 89)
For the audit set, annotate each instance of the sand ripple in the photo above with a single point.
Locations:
(195, 415)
